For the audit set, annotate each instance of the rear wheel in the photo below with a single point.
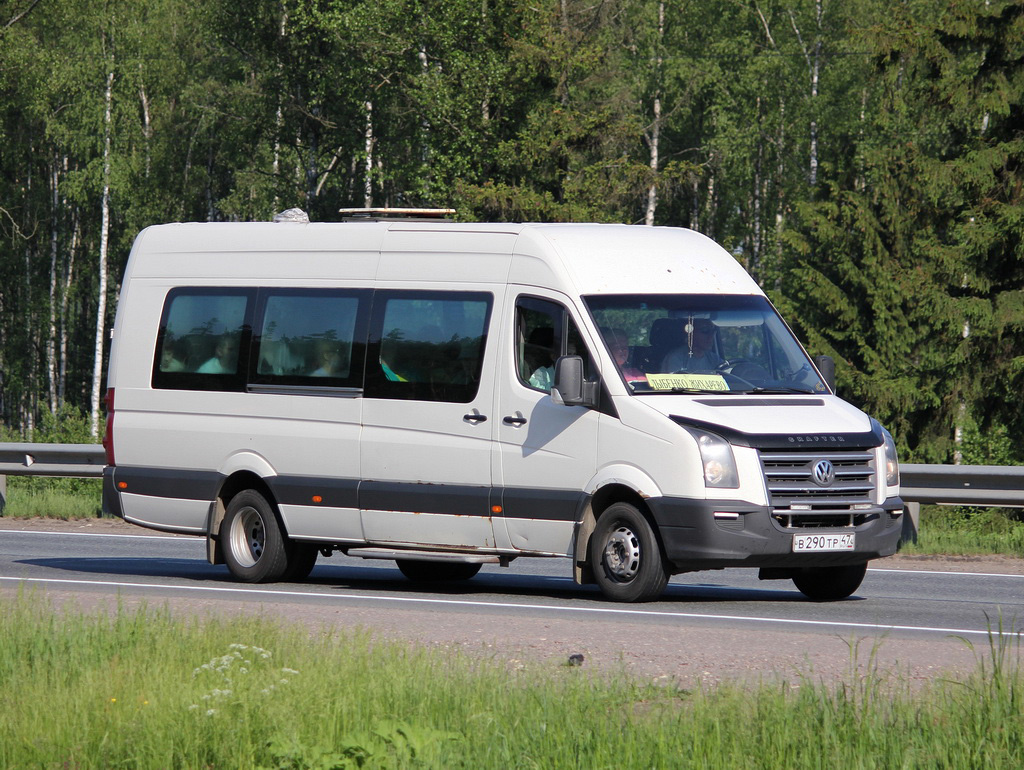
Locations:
(254, 548)
(829, 584)
(436, 571)
(625, 556)
(301, 560)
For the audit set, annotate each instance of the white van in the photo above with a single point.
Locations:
(450, 395)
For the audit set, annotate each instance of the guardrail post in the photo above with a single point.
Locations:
(3, 494)
(911, 520)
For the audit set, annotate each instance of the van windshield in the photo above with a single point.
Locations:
(702, 343)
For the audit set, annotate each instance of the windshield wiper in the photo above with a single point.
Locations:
(697, 391)
(777, 391)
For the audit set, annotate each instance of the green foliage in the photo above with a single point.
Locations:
(862, 160)
(389, 744)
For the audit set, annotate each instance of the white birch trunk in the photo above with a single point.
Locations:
(147, 128)
(101, 299)
(368, 176)
(62, 379)
(813, 58)
(51, 336)
(652, 191)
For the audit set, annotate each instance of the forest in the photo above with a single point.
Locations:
(861, 158)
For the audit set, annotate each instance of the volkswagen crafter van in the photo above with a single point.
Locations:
(451, 395)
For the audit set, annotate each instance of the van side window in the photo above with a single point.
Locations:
(310, 338)
(427, 346)
(204, 339)
(544, 331)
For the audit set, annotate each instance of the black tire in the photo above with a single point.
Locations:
(829, 584)
(436, 571)
(301, 560)
(625, 556)
(254, 548)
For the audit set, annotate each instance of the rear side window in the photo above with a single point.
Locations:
(204, 339)
(311, 338)
(427, 346)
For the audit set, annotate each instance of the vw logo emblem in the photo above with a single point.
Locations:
(824, 473)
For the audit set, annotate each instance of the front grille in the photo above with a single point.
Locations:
(799, 501)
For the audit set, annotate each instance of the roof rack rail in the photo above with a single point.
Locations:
(386, 214)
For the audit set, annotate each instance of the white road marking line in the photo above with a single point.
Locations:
(169, 536)
(515, 606)
(939, 572)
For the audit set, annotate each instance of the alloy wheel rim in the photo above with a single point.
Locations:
(622, 554)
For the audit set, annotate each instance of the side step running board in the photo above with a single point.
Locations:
(439, 556)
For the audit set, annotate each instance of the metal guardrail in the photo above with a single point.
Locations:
(74, 460)
(995, 485)
(81, 460)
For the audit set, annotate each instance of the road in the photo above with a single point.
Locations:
(918, 623)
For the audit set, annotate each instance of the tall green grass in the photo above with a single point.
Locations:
(30, 497)
(143, 689)
(956, 530)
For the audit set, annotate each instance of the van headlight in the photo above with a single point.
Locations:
(892, 466)
(717, 459)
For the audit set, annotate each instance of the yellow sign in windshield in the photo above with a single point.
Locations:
(687, 381)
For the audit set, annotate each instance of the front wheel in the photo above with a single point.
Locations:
(254, 548)
(829, 584)
(625, 556)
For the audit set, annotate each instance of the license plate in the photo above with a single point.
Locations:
(805, 543)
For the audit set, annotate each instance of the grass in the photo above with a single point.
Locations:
(962, 531)
(143, 689)
(31, 497)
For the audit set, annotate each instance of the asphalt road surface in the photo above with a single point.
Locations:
(916, 618)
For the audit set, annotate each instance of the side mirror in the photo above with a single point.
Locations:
(570, 388)
(827, 368)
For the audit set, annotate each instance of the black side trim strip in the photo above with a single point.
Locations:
(425, 498)
(111, 500)
(547, 504)
(299, 490)
(450, 499)
(175, 484)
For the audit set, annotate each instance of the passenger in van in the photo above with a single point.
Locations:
(225, 357)
(540, 355)
(277, 358)
(331, 361)
(172, 357)
(697, 353)
(618, 344)
(389, 352)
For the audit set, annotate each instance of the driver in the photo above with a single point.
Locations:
(697, 353)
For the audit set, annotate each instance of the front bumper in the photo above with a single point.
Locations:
(694, 539)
